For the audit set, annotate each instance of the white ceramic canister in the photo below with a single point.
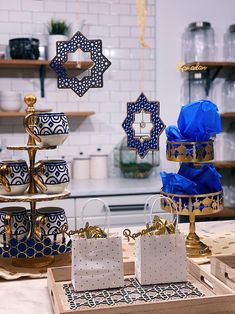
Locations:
(81, 168)
(99, 166)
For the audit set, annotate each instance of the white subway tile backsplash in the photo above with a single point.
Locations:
(113, 21)
(52, 6)
(120, 31)
(120, 9)
(16, 16)
(98, 7)
(32, 5)
(109, 20)
(4, 16)
(11, 5)
(11, 28)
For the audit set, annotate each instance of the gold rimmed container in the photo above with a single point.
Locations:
(192, 206)
(189, 151)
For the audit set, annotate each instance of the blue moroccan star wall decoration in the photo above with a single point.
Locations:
(137, 138)
(101, 64)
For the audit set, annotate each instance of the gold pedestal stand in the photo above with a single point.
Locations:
(195, 247)
(193, 205)
(37, 259)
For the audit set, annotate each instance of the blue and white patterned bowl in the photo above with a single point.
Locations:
(51, 127)
(54, 175)
(17, 177)
(17, 221)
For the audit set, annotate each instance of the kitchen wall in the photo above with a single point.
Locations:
(172, 17)
(113, 21)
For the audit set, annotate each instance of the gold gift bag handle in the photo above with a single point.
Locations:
(29, 122)
(7, 225)
(39, 222)
(39, 166)
(4, 171)
(157, 198)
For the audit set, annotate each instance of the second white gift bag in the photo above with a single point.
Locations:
(97, 263)
(160, 258)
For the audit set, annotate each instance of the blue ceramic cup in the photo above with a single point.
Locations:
(51, 176)
(49, 128)
(14, 177)
(14, 223)
(48, 223)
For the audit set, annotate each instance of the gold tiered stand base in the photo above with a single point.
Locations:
(37, 262)
(196, 248)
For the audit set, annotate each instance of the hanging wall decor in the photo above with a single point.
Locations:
(143, 125)
(101, 64)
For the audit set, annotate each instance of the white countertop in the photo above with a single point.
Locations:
(114, 186)
(30, 296)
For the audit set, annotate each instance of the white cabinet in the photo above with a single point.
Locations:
(126, 210)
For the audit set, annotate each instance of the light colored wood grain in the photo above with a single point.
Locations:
(12, 114)
(21, 63)
(223, 267)
(218, 300)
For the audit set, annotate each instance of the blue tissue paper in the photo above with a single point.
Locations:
(177, 184)
(207, 178)
(197, 121)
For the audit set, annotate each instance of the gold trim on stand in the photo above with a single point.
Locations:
(189, 151)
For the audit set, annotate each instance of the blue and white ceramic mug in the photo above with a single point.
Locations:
(48, 223)
(14, 223)
(51, 176)
(49, 128)
(14, 177)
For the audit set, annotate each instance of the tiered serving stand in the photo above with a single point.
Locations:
(193, 205)
(32, 252)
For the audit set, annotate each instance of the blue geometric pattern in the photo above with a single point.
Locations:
(101, 63)
(142, 146)
(33, 248)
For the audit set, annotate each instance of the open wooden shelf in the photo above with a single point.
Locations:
(43, 68)
(224, 164)
(214, 68)
(228, 115)
(21, 63)
(68, 114)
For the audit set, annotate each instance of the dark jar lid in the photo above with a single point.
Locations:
(199, 25)
(232, 28)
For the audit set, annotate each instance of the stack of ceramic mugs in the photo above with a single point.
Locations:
(50, 177)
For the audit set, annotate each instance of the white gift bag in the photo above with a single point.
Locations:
(97, 263)
(160, 258)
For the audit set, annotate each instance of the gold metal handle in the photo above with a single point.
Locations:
(4, 171)
(39, 222)
(7, 225)
(39, 166)
(29, 122)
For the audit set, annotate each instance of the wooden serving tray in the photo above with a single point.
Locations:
(223, 267)
(218, 298)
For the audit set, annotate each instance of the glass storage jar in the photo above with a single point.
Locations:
(131, 165)
(198, 42)
(228, 94)
(195, 88)
(229, 44)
